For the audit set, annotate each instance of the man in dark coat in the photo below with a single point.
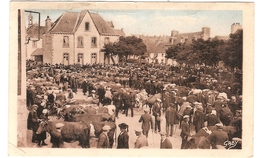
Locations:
(117, 101)
(30, 96)
(165, 142)
(157, 115)
(198, 119)
(84, 87)
(123, 137)
(128, 103)
(101, 93)
(147, 122)
(169, 117)
(218, 137)
(56, 137)
(33, 122)
(185, 131)
(42, 136)
(103, 140)
(212, 119)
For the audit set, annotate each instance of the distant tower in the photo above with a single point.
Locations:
(235, 27)
(206, 33)
(30, 20)
(174, 35)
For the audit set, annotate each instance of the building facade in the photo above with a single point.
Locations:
(77, 38)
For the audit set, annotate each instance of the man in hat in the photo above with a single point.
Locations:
(33, 122)
(103, 140)
(218, 137)
(237, 123)
(56, 138)
(70, 94)
(42, 136)
(123, 137)
(30, 96)
(198, 120)
(141, 140)
(147, 122)
(212, 118)
(165, 142)
(157, 115)
(84, 86)
(185, 131)
(170, 118)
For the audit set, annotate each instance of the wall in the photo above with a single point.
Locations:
(59, 50)
(30, 49)
(87, 37)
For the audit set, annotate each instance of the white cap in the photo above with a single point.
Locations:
(186, 116)
(106, 128)
(44, 111)
(59, 125)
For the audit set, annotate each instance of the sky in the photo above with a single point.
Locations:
(161, 22)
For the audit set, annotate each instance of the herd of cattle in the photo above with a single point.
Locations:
(81, 116)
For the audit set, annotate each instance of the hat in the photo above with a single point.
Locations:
(123, 126)
(214, 112)
(34, 105)
(44, 111)
(106, 128)
(59, 125)
(188, 106)
(43, 103)
(239, 111)
(69, 89)
(219, 125)
(93, 91)
(158, 99)
(184, 98)
(67, 106)
(138, 130)
(163, 133)
(146, 110)
(186, 116)
(195, 103)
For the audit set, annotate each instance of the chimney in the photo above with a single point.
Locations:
(47, 24)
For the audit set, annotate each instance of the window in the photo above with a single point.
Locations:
(65, 41)
(94, 42)
(106, 40)
(86, 26)
(66, 58)
(162, 54)
(80, 42)
(80, 57)
(162, 61)
(34, 44)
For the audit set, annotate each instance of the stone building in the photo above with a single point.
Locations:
(77, 38)
(34, 34)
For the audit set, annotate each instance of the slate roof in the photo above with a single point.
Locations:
(69, 22)
(38, 51)
(32, 31)
(102, 26)
(66, 23)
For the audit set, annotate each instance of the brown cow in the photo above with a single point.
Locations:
(72, 131)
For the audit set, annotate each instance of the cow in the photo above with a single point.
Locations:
(199, 140)
(225, 115)
(71, 132)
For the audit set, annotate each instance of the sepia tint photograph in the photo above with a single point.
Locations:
(130, 78)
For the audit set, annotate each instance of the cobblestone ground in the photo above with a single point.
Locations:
(153, 138)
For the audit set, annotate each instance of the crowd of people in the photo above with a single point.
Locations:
(187, 96)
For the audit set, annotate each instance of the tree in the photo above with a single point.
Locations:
(232, 55)
(126, 46)
(180, 52)
(207, 52)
